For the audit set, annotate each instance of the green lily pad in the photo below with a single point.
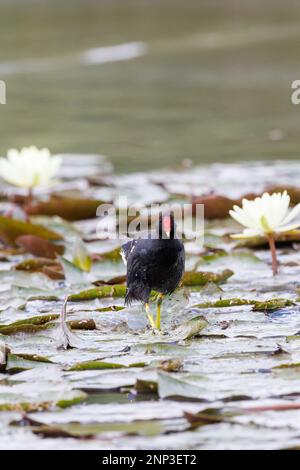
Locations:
(3, 355)
(95, 365)
(99, 293)
(272, 305)
(202, 278)
(11, 229)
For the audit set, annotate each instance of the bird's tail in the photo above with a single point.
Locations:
(137, 292)
(129, 297)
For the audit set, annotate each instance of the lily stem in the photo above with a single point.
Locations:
(272, 246)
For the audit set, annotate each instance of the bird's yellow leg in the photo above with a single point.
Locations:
(150, 317)
(158, 310)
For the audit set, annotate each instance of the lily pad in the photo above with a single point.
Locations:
(202, 278)
(11, 229)
(69, 209)
(99, 293)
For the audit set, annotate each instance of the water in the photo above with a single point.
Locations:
(212, 81)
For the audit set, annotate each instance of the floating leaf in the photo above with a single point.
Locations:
(35, 264)
(170, 386)
(96, 365)
(29, 325)
(19, 397)
(110, 282)
(223, 303)
(11, 229)
(281, 238)
(145, 386)
(215, 206)
(16, 363)
(73, 274)
(208, 416)
(57, 432)
(81, 257)
(3, 355)
(201, 278)
(68, 209)
(112, 255)
(169, 365)
(272, 305)
(99, 293)
(190, 328)
(39, 247)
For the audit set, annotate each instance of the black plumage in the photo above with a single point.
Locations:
(154, 263)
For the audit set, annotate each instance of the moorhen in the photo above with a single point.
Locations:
(154, 263)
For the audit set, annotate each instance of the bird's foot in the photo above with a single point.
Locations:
(155, 324)
(158, 311)
(150, 317)
(151, 321)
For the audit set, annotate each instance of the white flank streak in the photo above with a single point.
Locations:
(101, 55)
(123, 257)
(98, 55)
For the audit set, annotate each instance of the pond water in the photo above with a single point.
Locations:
(150, 83)
(210, 81)
(222, 374)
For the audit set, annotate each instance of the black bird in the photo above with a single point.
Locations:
(154, 263)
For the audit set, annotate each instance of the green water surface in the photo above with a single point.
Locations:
(213, 85)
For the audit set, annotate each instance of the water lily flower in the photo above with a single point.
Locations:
(266, 216)
(30, 167)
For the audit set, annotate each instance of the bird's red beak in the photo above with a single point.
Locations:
(167, 225)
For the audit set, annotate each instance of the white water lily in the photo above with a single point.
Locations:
(266, 216)
(30, 167)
